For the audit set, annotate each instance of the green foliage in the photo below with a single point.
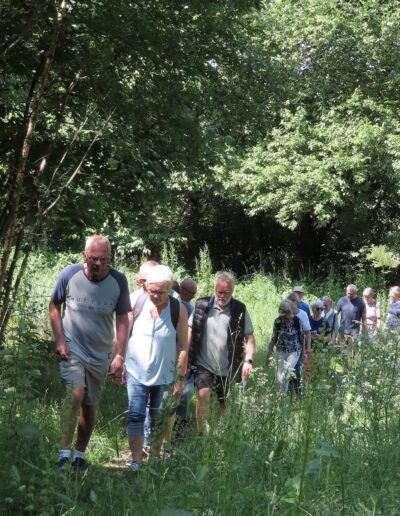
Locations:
(204, 273)
(382, 258)
(332, 451)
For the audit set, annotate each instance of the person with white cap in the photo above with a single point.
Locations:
(302, 304)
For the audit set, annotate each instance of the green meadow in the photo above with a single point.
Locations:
(334, 451)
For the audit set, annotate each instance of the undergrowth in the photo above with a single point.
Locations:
(335, 450)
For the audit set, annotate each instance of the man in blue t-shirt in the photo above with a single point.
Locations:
(82, 308)
(302, 304)
(352, 311)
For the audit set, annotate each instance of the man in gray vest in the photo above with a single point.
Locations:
(82, 308)
(221, 343)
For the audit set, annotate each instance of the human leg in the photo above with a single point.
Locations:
(137, 397)
(69, 416)
(286, 363)
(161, 409)
(203, 412)
(86, 422)
(72, 373)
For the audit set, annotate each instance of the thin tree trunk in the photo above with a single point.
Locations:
(26, 147)
(5, 317)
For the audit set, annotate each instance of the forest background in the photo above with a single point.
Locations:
(267, 131)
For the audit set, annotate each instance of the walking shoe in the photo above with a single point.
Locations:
(63, 463)
(79, 464)
(135, 466)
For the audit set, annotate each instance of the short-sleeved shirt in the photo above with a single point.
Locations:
(320, 327)
(305, 321)
(151, 354)
(213, 353)
(287, 334)
(352, 311)
(89, 308)
(371, 312)
(305, 307)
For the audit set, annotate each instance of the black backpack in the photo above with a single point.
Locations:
(174, 304)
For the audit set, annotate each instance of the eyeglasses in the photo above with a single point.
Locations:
(318, 308)
(153, 292)
(101, 259)
(223, 292)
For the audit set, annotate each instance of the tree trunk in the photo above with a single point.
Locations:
(16, 189)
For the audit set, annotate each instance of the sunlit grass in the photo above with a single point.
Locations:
(335, 450)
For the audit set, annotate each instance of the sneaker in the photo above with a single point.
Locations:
(79, 464)
(63, 463)
(135, 466)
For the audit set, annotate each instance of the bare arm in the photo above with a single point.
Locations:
(378, 317)
(182, 348)
(250, 350)
(307, 335)
(121, 338)
(62, 347)
(270, 350)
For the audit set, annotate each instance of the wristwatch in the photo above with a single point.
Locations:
(248, 361)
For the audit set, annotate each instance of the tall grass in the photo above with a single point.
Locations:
(335, 450)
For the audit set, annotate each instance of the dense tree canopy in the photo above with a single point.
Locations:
(252, 126)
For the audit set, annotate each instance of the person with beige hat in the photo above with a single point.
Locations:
(302, 305)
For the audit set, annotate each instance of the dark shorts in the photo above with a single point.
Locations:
(205, 379)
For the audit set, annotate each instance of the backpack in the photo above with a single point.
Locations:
(174, 305)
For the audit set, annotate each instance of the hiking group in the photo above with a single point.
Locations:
(163, 347)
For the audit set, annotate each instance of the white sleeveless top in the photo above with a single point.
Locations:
(151, 355)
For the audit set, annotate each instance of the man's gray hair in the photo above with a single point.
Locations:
(99, 239)
(285, 307)
(327, 299)
(352, 287)
(159, 274)
(225, 276)
(293, 296)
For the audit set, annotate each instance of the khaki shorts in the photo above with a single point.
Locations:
(76, 373)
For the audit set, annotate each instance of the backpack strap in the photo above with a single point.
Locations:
(175, 308)
(137, 309)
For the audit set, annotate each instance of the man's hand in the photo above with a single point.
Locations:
(62, 349)
(178, 389)
(247, 369)
(116, 369)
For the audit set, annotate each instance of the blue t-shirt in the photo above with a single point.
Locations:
(321, 326)
(305, 306)
(89, 308)
(352, 311)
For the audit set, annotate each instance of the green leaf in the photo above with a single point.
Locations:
(201, 473)
(29, 431)
(171, 511)
(325, 449)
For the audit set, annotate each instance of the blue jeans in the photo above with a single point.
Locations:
(138, 396)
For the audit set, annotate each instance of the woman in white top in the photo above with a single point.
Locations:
(373, 313)
(156, 359)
